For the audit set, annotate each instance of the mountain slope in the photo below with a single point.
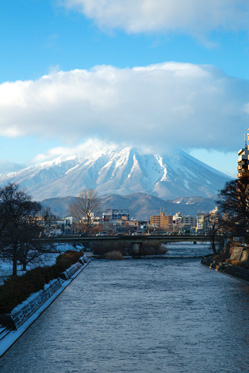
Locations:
(124, 171)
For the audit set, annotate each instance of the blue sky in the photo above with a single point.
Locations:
(150, 74)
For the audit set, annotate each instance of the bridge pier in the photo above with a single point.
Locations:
(136, 249)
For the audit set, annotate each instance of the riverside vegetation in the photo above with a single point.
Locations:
(16, 289)
(232, 221)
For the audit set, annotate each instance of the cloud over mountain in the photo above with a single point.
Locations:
(122, 171)
(169, 104)
(191, 16)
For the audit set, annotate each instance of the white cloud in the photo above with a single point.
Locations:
(91, 146)
(191, 16)
(171, 104)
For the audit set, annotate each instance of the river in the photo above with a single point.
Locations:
(141, 315)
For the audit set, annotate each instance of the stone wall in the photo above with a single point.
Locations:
(19, 316)
(227, 268)
(236, 253)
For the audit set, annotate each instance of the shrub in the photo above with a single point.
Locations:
(16, 289)
(153, 248)
(113, 255)
(101, 248)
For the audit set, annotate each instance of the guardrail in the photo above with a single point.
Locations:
(3, 332)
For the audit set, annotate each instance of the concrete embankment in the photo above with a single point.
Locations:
(229, 269)
(13, 325)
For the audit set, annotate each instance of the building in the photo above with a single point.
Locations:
(202, 224)
(177, 222)
(243, 160)
(115, 214)
(162, 221)
(188, 223)
(118, 221)
(189, 220)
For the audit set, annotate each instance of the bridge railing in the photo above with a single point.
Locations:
(127, 238)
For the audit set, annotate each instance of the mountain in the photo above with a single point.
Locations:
(140, 205)
(120, 171)
(6, 167)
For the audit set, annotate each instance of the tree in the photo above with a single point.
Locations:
(214, 226)
(48, 220)
(84, 209)
(234, 203)
(29, 250)
(18, 225)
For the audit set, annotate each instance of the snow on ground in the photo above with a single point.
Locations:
(44, 260)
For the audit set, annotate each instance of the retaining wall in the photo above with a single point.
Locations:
(227, 268)
(22, 313)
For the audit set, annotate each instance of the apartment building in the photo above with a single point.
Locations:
(243, 160)
(162, 221)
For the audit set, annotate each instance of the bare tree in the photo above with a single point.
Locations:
(234, 203)
(84, 210)
(18, 224)
(29, 249)
(214, 226)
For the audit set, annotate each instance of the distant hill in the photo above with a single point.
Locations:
(140, 205)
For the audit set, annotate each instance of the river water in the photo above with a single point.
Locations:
(141, 315)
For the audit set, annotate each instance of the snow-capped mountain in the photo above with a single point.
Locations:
(123, 171)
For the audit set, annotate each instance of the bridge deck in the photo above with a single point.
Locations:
(126, 238)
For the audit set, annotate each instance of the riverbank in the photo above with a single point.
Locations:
(7, 336)
(233, 260)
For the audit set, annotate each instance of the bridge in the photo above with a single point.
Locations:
(136, 242)
(127, 238)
